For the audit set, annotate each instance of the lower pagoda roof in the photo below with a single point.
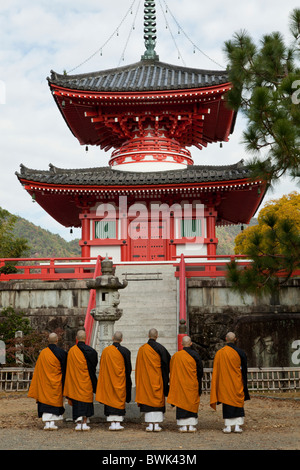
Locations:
(63, 192)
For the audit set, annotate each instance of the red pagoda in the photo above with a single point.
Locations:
(151, 203)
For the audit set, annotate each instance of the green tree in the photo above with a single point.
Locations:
(265, 80)
(11, 322)
(273, 245)
(31, 342)
(10, 245)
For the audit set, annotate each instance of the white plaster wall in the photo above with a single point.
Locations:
(110, 250)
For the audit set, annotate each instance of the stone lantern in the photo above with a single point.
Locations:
(107, 310)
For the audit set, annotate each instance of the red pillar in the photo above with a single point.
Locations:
(212, 241)
(85, 234)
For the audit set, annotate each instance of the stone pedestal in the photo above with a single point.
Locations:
(107, 311)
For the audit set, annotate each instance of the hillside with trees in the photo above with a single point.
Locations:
(227, 235)
(44, 244)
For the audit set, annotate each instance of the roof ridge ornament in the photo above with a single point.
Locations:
(150, 31)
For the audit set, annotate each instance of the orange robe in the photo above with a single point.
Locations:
(149, 381)
(78, 385)
(184, 385)
(46, 384)
(227, 382)
(111, 386)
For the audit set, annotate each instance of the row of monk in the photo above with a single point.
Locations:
(158, 377)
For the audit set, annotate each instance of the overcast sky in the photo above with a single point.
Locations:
(37, 36)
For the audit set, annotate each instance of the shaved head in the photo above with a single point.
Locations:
(186, 341)
(230, 337)
(81, 335)
(53, 338)
(153, 333)
(117, 336)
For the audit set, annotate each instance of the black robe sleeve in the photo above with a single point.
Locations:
(91, 357)
(165, 358)
(128, 368)
(244, 368)
(61, 355)
(199, 366)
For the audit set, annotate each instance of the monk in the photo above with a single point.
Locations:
(81, 381)
(152, 380)
(47, 383)
(229, 383)
(186, 372)
(114, 381)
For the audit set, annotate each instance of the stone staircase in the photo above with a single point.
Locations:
(149, 301)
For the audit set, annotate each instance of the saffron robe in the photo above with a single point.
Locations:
(229, 377)
(47, 381)
(81, 380)
(114, 381)
(186, 373)
(152, 376)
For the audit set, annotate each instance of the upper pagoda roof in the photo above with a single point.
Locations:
(146, 75)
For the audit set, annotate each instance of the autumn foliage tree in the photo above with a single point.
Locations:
(273, 246)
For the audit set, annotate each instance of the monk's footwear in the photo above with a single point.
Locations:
(183, 429)
(82, 427)
(227, 430)
(157, 428)
(192, 429)
(50, 426)
(238, 429)
(119, 427)
(116, 426)
(149, 428)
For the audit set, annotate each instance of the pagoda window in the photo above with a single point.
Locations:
(105, 229)
(191, 228)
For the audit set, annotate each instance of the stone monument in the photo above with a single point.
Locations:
(107, 310)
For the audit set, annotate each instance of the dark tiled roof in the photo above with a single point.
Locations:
(106, 176)
(141, 76)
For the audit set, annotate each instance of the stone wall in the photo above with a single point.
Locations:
(268, 329)
(48, 305)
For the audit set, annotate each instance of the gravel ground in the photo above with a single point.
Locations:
(270, 424)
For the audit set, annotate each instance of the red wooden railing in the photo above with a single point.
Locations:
(49, 269)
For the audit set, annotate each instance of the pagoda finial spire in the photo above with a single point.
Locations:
(150, 31)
